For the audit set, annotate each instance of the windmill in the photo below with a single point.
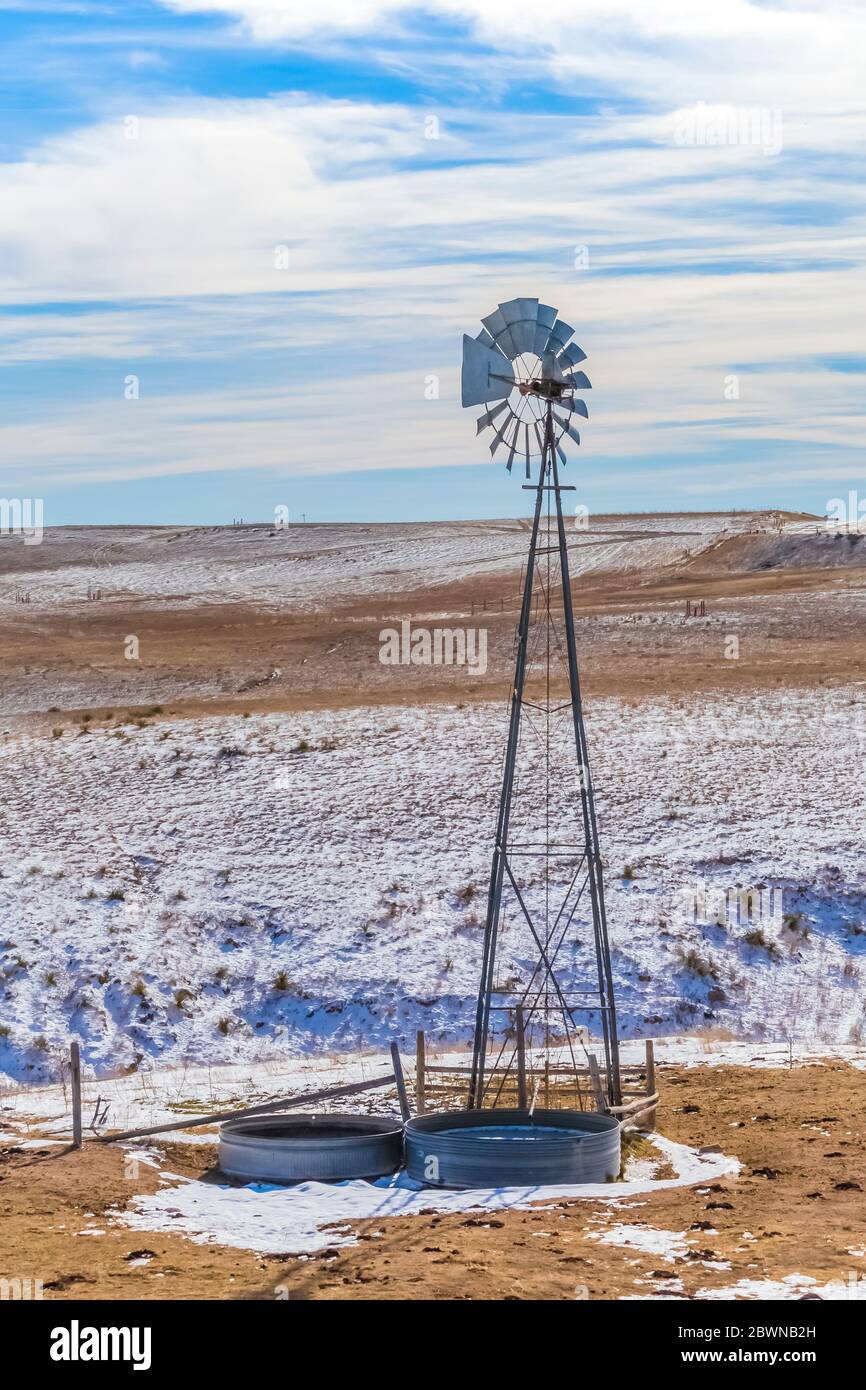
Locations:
(546, 874)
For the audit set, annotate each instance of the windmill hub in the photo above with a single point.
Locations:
(549, 390)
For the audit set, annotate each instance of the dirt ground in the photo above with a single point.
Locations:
(795, 1207)
(634, 642)
(795, 626)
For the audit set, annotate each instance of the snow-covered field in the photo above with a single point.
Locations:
(312, 566)
(235, 888)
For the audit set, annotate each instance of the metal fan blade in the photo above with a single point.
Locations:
(559, 336)
(526, 427)
(485, 338)
(521, 317)
(572, 355)
(500, 436)
(494, 323)
(568, 426)
(482, 366)
(561, 452)
(539, 436)
(487, 419)
(580, 381)
(513, 449)
(574, 404)
(546, 318)
(498, 330)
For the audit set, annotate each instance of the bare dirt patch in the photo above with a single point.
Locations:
(794, 602)
(49, 1197)
(796, 1207)
(791, 1210)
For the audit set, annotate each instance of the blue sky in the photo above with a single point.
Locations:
(278, 219)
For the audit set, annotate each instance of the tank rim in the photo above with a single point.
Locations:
(305, 1125)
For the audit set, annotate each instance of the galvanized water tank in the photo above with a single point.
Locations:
(298, 1148)
(510, 1148)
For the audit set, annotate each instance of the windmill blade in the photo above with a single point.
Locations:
(559, 336)
(483, 368)
(498, 330)
(526, 427)
(546, 318)
(572, 355)
(568, 426)
(513, 450)
(494, 323)
(485, 338)
(580, 381)
(574, 404)
(561, 452)
(500, 436)
(487, 419)
(539, 436)
(521, 315)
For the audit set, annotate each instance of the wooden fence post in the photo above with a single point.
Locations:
(521, 1057)
(650, 1067)
(595, 1078)
(75, 1080)
(420, 1060)
(405, 1111)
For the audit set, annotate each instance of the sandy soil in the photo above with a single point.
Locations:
(796, 1207)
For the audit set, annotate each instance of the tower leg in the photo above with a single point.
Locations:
(593, 851)
(494, 893)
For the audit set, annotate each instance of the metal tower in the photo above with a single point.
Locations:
(546, 874)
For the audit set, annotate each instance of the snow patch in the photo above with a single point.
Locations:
(313, 1215)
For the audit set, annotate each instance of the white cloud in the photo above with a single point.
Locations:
(289, 19)
(798, 54)
(201, 199)
(397, 243)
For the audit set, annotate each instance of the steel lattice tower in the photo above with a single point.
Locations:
(546, 870)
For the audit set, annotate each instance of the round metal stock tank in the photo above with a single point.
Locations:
(510, 1148)
(299, 1148)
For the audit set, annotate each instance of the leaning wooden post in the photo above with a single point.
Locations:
(420, 1062)
(650, 1068)
(595, 1078)
(521, 1057)
(75, 1080)
(251, 1111)
(401, 1083)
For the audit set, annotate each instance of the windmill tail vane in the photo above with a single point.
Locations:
(546, 873)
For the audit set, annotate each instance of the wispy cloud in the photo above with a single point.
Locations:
(271, 262)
